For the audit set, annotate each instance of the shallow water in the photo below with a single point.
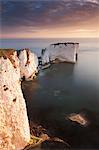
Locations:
(63, 89)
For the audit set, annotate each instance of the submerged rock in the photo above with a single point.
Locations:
(79, 118)
(54, 145)
(46, 66)
(41, 139)
(14, 126)
(60, 52)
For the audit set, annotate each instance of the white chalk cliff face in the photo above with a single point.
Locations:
(64, 52)
(14, 126)
(28, 64)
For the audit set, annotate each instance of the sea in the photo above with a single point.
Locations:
(63, 89)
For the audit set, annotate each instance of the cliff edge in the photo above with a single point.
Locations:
(14, 126)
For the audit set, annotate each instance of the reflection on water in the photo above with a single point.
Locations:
(63, 89)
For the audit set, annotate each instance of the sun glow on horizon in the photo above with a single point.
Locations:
(52, 33)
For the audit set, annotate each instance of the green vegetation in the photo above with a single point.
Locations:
(34, 141)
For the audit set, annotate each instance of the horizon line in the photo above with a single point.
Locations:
(48, 38)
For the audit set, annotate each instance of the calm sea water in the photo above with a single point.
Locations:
(37, 44)
(63, 89)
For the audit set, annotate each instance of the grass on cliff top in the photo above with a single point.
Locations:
(6, 52)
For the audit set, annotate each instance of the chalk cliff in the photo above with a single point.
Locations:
(63, 52)
(14, 126)
(28, 64)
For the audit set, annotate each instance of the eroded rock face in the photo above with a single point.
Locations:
(28, 64)
(14, 127)
(62, 52)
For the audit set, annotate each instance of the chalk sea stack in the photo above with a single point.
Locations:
(28, 64)
(60, 52)
(14, 126)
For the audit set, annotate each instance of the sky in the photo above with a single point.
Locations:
(49, 18)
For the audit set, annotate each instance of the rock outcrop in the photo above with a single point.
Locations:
(79, 118)
(28, 64)
(60, 52)
(14, 126)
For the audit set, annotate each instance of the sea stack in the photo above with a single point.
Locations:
(14, 126)
(61, 52)
(28, 64)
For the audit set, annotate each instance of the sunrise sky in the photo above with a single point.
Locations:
(49, 18)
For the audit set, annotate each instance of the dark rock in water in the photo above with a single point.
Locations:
(46, 66)
(54, 145)
(50, 145)
(48, 141)
(40, 60)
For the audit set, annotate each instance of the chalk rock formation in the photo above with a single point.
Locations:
(79, 118)
(14, 127)
(28, 64)
(60, 52)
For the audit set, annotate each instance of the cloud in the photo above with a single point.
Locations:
(92, 1)
(45, 14)
(85, 30)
